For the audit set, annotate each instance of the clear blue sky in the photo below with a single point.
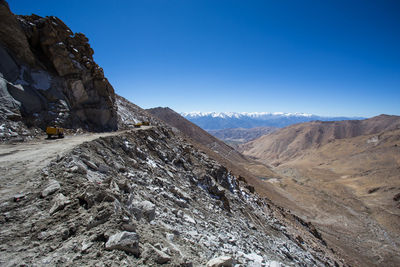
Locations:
(323, 57)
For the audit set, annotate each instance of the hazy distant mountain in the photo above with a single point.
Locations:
(226, 120)
(235, 136)
(293, 140)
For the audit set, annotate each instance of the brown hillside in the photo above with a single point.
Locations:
(290, 142)
(345, 176)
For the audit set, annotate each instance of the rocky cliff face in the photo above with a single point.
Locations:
(48, 76)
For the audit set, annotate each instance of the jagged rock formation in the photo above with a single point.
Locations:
(147, 198)
(48, 76)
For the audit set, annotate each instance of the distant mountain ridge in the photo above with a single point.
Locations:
(226, 120)
(293, 140)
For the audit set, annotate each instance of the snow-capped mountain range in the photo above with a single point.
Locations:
(226, 120)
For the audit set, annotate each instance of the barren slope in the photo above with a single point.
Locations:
(346, 179)
(290, 142)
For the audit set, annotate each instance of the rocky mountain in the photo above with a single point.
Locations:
(236, 136)
(48, 77)
(226, 120)
(349, 171)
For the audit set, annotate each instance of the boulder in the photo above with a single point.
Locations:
(148, 209)
(161, 257)
(144, 209)
(274, 264)
(90, 164)
(51, 188)
(125, 241)
(222, 261)
(59, 203)
(78, 168)
(157, 254)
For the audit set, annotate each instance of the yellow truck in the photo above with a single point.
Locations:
(54, 131)
(143, 123)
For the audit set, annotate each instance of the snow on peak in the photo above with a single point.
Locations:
(197, 114)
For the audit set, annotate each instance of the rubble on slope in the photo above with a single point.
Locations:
(130, 114)
(147, 198)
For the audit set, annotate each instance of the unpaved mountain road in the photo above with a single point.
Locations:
(19, 162)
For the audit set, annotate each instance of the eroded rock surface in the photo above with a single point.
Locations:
(48, 77)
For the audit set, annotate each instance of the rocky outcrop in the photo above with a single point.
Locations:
(13, 37)
(48, 76)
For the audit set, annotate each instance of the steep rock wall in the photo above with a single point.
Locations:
(48, 75)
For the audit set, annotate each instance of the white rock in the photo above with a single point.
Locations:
(78, 168)
(60, 201)
(161, 257)
(91, 164)
(189, 219)
(274, 264)
(170, 237)
(51, 188)
(222, 261)
(255, 260)
(126, 241)
(86, 245)
(148, 209)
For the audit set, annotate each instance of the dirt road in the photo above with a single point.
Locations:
(19, 162)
